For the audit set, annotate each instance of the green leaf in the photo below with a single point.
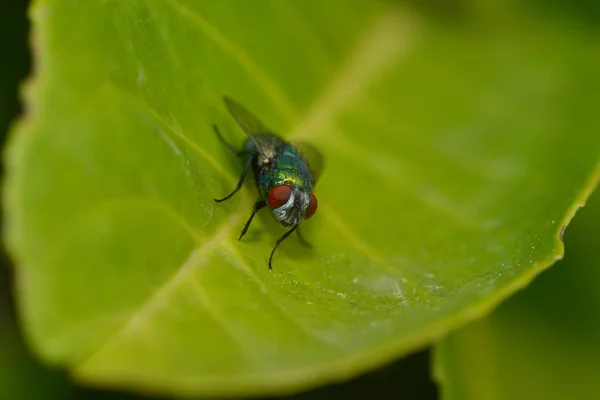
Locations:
(543, 342)
(454, 153)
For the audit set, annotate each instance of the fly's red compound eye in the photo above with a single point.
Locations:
(312, 207)
(279, 195)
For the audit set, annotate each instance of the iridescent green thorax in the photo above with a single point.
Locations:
(288, 166)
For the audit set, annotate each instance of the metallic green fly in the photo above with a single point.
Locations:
(284, 173)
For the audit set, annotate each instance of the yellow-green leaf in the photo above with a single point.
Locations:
(454, 151)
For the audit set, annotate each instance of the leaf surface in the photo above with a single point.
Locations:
(451, 163)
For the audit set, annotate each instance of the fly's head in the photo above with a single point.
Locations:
(291, 204)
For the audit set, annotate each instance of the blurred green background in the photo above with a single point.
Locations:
(542, 343)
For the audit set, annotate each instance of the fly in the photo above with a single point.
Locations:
(283, 174)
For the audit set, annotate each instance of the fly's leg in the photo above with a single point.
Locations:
(257, 206)
(278, 242)
(229, 145)
(240, 182)
(302, 240)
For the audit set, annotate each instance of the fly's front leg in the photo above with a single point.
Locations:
(257, 206)
(278, 242)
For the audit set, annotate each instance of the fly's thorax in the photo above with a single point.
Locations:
(266, 146)
(294, 210)
(287, 167)
(270, 176)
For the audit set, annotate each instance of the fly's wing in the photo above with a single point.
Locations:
(313, 157)
(249, 123)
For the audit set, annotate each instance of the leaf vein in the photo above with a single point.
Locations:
(155, 300)
(174, 130)
(273, 91)
(382, 46)
(242, 265)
